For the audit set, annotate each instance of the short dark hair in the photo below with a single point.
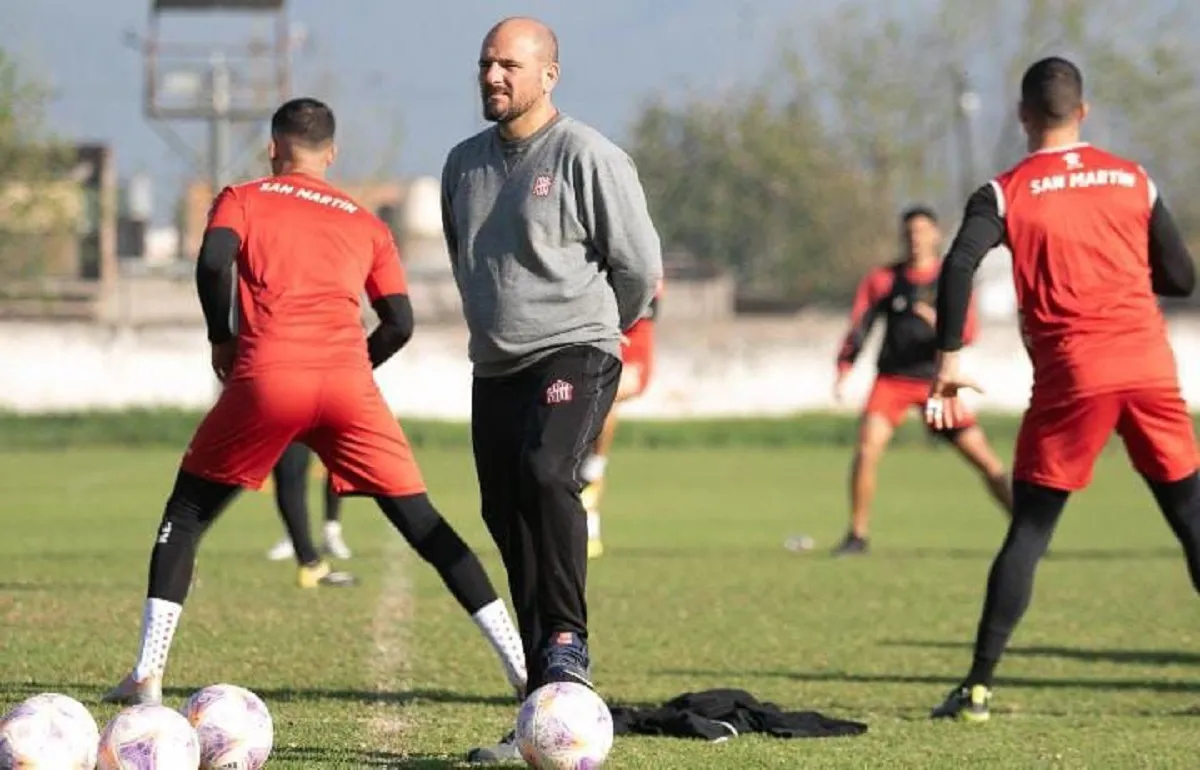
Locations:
(306, 121)
(918, 211)
(1052, 91)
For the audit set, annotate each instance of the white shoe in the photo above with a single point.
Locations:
(334, 545)
(282, 550)
(131, 692)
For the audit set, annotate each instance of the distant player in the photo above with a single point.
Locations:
(902, 294)
(637, 358)
(1092, 244)
(297, 367)
(290, 479)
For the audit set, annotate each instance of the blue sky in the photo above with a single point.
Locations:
(406, 68)
(390, 64)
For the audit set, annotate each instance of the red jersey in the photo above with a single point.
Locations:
(307, 254)
(1077, 220)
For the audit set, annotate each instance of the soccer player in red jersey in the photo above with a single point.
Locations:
(296, 364)
(1092, 244)
(637, 365)
(902, 294)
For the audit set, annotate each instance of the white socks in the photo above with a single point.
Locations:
(159, 619)
(593, 468)
(497, 627)
(593, 525)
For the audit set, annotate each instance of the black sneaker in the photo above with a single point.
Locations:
(966, 703)
(852, 545)
(499, 753)
(565, 659)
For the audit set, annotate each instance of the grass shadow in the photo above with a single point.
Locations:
(275, 695)
(1118, 685)
(1140, 657)
(1056, 554)
(333, 758)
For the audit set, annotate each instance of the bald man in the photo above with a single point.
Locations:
(555, 255)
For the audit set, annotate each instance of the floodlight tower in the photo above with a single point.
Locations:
(220, 84)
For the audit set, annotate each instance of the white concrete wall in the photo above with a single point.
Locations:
(748, 367)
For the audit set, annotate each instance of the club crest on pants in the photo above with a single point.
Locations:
(559, 392)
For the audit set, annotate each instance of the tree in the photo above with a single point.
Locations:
(37, 202)
(754, 183)
(796, 185)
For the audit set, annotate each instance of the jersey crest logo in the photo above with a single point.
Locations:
(899, 303)
(1072, 160)
(541, 185)
(559, 392)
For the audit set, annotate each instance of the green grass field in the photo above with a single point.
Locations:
(695, 591)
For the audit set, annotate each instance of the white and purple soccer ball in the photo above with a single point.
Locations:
(234, 725)
(48, 731)
(564, 726)
(149, 737)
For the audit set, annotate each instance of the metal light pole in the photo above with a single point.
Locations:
(967, 104)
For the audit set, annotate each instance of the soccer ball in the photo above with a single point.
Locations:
(564, 726)
(48, 731)
(234, 727)
(149, 737)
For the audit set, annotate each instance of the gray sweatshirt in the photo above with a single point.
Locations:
(550, 242)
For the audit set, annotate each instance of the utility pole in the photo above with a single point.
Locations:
(219, 127)
(966, 105)
(217, 84)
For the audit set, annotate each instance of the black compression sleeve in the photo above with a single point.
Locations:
(981, 231)
(214, 281)
(1172, 273)
(395, 327)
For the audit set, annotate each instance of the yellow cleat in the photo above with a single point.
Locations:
(590, 496)
(968, 704)
(595, 548)
(321, 574)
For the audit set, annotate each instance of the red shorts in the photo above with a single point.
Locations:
(1060, 439)
(637, 355)
(340, 416)
(892, 396)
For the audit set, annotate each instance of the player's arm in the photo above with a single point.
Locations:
(215, 265)
(982, 230)
(448, 230)
(1172, 272)
(387, 289)
(863, 314)
(614, 211)
(971, 327)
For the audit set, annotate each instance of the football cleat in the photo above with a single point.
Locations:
(321, 574)
(566, 659)
(503, 752)
(282, 550)
(132, 692)
(968, 703)
(852, 545)
(334, 545)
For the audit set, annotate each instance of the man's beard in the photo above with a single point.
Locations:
(496, 113)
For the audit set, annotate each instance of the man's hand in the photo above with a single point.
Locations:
(223, 355)
(944, 409)
(839, 385)
(925, 312)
